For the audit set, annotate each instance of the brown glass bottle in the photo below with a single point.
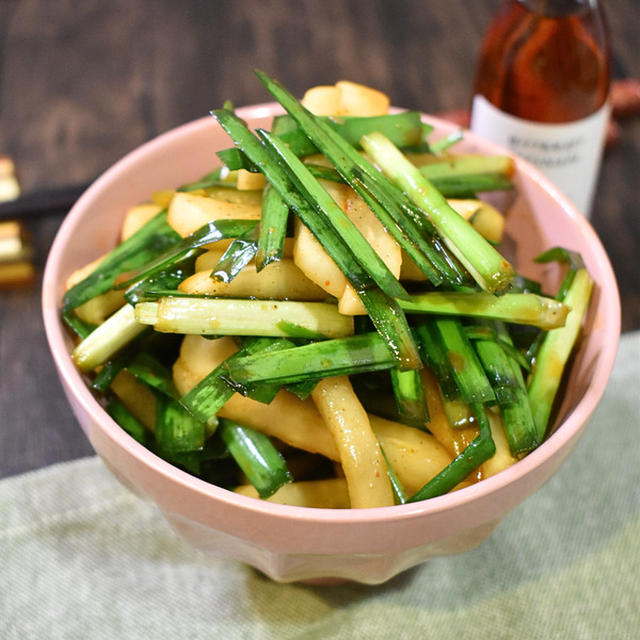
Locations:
(545, 66)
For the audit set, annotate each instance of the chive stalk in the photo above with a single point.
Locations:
(554, 353)
(399, 493)
(212, 392)
(107, 339)
(273, 228)
(464, 164)
(520, 308)
(384, 311)
(356, 171)
(490, 270)
(259, 460)
(144, 245)
(463, 362)
(240, 317)
(325, 206)
(176, 430)
(237, 256)
(343, 356)
(478, 451)
(409, 396)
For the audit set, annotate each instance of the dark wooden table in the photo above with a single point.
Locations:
(83, 83)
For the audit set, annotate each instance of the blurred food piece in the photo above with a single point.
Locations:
(346, 99)
(9, 187)
(16, 269)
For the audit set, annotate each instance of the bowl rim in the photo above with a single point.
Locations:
(73, 380)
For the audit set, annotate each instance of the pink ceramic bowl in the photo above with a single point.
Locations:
(294, 543)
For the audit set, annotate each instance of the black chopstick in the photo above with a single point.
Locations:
(38, 204)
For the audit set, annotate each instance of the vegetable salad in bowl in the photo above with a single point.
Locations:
(328, 319)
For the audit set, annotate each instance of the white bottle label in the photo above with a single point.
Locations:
(567, 153)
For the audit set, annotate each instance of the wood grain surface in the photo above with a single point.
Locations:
(84, 82)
